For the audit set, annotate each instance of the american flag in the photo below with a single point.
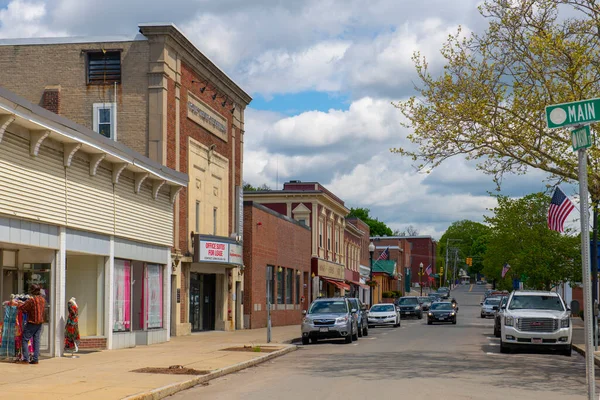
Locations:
(429, 270)
(385, 255)
(505, 269)
(559, 210)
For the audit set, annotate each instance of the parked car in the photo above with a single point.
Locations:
(536, 318)
(444, 292)
(498, 316)
(434, 297)
(480, 282)
(441, 312)
(384, 314)
(489, 306)
(328, 319)
(362, 316)
(425, 302)
(409, 305)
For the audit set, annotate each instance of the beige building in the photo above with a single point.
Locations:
(87, 218)
(158, 94)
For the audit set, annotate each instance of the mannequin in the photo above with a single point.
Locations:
(72, 328)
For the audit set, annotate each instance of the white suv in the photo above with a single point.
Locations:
(536, 318)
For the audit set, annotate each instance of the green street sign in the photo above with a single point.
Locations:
(575, 113)
(581, 138)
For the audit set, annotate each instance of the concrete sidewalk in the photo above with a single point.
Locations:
(107, 374)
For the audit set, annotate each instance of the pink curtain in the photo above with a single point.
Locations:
(127, 295)
(154, 293)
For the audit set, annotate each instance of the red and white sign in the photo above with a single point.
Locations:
(214, 251)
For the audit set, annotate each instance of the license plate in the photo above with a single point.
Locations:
(442, 317)
(406, 312)
(536, 341)
(323, 329)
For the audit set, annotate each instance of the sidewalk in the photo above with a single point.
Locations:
(107, 374)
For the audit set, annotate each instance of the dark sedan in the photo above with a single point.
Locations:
(425, 302)
(441, 312)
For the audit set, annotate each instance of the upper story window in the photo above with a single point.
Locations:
(103, 67)
(105, 119)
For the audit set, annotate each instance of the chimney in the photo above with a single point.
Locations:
(51, 98)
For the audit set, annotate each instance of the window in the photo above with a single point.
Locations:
(280, 286)
(197, 216)
(103, 67)
(328, 237)
(298, 287)
(289, 285)
(122, 299)
(270, 284)
(337, 235)
(303, 221)
(154, 295)
(215, 221)
(105, 119)
(320, 234)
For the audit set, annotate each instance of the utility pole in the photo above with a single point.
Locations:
(448, 240)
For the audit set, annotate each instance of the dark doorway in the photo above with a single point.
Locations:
(202, 301)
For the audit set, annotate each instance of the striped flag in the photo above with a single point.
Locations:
(385, 255)
(429, 270)
(559, 210)
(505, 269)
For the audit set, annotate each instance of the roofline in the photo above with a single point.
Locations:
(275, 213)
(171, 30)
(71, 40)
(316, 193)
(405, 237)
(38, 115)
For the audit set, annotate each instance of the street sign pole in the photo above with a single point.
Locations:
(585, 261)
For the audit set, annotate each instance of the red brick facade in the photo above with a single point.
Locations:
(424, 251)
(271, 239)
(51, 99)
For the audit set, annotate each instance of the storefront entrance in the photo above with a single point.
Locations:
(202, 301)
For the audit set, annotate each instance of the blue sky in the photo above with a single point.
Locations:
(323, 75)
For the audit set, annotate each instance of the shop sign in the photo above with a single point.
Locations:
(214, 251)
(206, 117)
(331, 270)
(235, 254)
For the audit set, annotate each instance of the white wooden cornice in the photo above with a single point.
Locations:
(5, 121)
(95, 160)
(174, 192)
(118, 168)
(156, 185)
(140, 177)
(69, 150)
(36, 138)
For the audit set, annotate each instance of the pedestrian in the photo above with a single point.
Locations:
(34, 307)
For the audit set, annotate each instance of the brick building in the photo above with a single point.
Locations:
(400, 252)
(312, 204)
(364, 261)
(423, 250)
(158, 94)
(277, 255)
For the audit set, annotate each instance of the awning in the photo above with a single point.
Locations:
(362, 285)
(339, 284)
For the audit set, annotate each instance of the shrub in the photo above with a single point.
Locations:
(387, 295)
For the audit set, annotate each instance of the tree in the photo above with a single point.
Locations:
(409, 231)
(520, 236)
(377, 227)
(488, 102)
(249, 188)
(470, 238)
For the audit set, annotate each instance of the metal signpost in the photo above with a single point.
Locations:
(577, 114)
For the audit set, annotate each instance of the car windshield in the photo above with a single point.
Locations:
(328, 307)
(408, 301)
(382, 307)
(492, 302)
(441, 306)
(442, 290)
(536, 303)
(423, 299)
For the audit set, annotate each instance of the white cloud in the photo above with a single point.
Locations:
(25, 19)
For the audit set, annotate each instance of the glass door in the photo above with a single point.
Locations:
(39, 274)
(196, 300)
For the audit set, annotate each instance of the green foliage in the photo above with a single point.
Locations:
(249, 188)
(471, 240)
(387, 295)
(377, 227)
(520, 236)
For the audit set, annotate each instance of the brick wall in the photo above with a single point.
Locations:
(92, 343)
(278, 242)
(51, 99)
(27, 70)
(423, 251)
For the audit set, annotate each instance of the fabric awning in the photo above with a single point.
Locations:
(339, 284)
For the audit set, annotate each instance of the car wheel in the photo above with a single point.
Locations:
(305, 341)
(420, 315)
(496, 332)
(348, 339)
(567, 351)
(482, 316)
(360, 331)
(370, 326)
(429, 322)
(454, 321)
(365, 331)
(355, 336)
(503, 348)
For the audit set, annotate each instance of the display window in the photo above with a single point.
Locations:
(154, 296)
(122, 296)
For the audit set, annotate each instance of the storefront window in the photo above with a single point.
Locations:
(280, 286)
(122, 297)
(289, 284)
(270, 284)
(298, 287)
(154, 295)
(39, 274)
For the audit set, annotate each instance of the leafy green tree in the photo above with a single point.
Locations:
(487, 103)
(519, 236)
(249, 188)
(377, 227)
(470, 239)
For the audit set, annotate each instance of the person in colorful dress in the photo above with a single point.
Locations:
(72, 327)
(34, 307)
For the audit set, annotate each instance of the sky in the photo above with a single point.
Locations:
(323, 75)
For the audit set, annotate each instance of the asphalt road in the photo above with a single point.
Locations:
(415, 361)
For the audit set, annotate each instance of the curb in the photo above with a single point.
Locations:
(581, 350)
(293, 341)
(168, 390)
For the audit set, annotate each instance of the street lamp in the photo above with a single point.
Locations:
(371, 251)
(420, 275)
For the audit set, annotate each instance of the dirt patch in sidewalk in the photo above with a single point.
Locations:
(172, 370)
(253, 349)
